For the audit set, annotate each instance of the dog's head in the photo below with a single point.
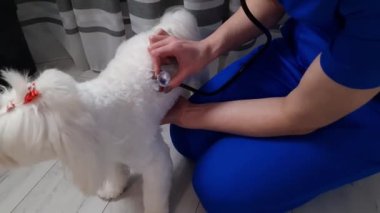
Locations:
(45, 119)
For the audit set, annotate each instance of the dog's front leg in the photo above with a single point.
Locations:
(115, 182)
(157, 179)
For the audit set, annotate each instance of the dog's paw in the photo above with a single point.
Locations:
(110, 191)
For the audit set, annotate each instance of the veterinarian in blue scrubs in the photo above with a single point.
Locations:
(304, 119)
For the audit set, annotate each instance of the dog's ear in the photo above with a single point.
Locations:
(21, 127)
(19, 84)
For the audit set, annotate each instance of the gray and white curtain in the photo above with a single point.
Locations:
(89, 31)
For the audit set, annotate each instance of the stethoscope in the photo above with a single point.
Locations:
(164, 77)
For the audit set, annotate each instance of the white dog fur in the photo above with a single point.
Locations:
(98, 128)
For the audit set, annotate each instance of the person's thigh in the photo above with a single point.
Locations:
(276, 175)
(274, 74)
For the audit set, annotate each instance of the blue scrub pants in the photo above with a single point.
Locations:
(236, 174)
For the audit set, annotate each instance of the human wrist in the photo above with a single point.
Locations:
(212, 49)
(189, 116)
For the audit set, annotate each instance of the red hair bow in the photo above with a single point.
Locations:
(31, 94)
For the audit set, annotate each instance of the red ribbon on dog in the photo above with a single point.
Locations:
(31, 94)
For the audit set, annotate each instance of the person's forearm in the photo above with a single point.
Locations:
(259, 118)
(316, 102)
(239, 29)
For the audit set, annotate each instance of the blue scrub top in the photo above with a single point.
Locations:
(345, 32)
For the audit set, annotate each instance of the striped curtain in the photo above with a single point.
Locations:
(89, 31)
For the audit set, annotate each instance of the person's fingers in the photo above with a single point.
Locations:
(169, 60)
(162, 50)
(156, 64)
(156, 38)
(162, 32)
(176, 80)
(159, 43)
(158, 49)
(161, 54)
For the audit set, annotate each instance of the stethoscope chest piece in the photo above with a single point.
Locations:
(162, 80)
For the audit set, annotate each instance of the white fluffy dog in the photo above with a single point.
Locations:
(98, 128)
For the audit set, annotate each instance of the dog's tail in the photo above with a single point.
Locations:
(46, 119)
(181, 23)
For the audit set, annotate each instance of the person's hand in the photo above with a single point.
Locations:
(175, 114)
(191, 56)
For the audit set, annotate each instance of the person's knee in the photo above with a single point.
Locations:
(220, 191)
(221, 195)
(214, 195)
(223, 184)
